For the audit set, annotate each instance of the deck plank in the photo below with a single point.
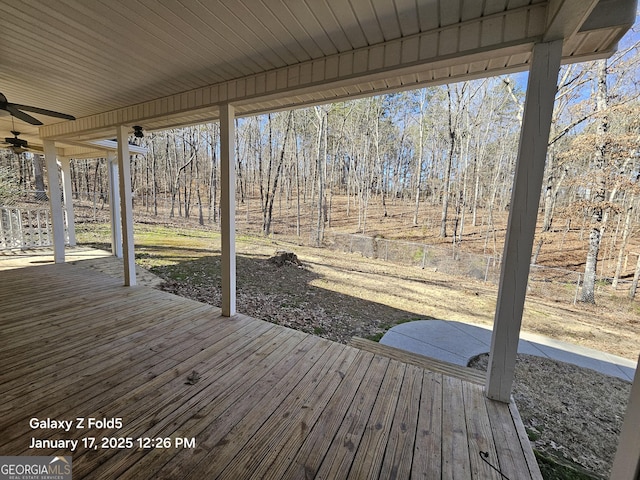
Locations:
(398, 456)
(270, 402)
(213, 420)
(427, 457)
(313, 449)
(184, 408)
(287, 420)
(428, 363)
(455, 448)
(511, 460)
(524, 441)
(141, 344)
(370, 454)
(480, 438)
(340, 454)
(94, 391)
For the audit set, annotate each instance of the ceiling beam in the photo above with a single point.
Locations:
(306, 79)
(565, 17)
(609, 13)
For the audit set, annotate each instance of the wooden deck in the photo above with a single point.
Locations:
(427, 363)
(265, 402)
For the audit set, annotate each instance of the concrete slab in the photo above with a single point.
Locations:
(410, 344)
(458, 342)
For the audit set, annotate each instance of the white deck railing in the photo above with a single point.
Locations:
(25, 228)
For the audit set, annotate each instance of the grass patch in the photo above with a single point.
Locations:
(552, 469)
(378, 336)
(532, 433)
(388, 326)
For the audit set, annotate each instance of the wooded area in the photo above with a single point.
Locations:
(446, 152)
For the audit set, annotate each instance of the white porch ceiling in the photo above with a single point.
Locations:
(164, 63)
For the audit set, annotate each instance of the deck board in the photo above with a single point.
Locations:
(427, 456)
(427, 363)
(455, 445)
(370, 454)
(398, 455)
(340, 452)
(270, 402)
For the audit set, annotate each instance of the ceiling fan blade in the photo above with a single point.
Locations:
(11, 108)
(35, 148)
(43, 111)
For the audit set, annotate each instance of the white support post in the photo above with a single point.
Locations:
(114, 204)
(126, 206)
(626, 464)
(55, 200)
(228, 208)
(65, 170)
(523, 214)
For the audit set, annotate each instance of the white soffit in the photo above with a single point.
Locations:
(172, 63)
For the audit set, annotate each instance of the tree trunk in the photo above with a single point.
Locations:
(271, 192)
(94, 195)
(239, 164)
(634, 284)
(320, 159)
(419, 160)
(597, 215)
(154, 179)
(447, 176)
(625, 239)
(41, 192)
(74, 181)
(297, 195)
(550, 195)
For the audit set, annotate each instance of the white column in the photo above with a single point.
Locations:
(126, 206)
(55, 200)
(626, 464)
(65, 170)
(523, 214)
(228, 209)
(114, 204)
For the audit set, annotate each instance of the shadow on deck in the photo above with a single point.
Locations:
(233, 397)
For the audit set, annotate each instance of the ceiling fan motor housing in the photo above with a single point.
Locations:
(15, 141)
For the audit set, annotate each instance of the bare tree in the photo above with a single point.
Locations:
(321, 155)
(599, 190)
(634, 283)
(41, 193)
(274, 170)
(419, 151)
(453, 124)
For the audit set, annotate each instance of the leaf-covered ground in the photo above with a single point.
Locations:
(283, 295)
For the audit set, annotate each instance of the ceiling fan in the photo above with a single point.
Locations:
(16, 110)
(19, 145)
